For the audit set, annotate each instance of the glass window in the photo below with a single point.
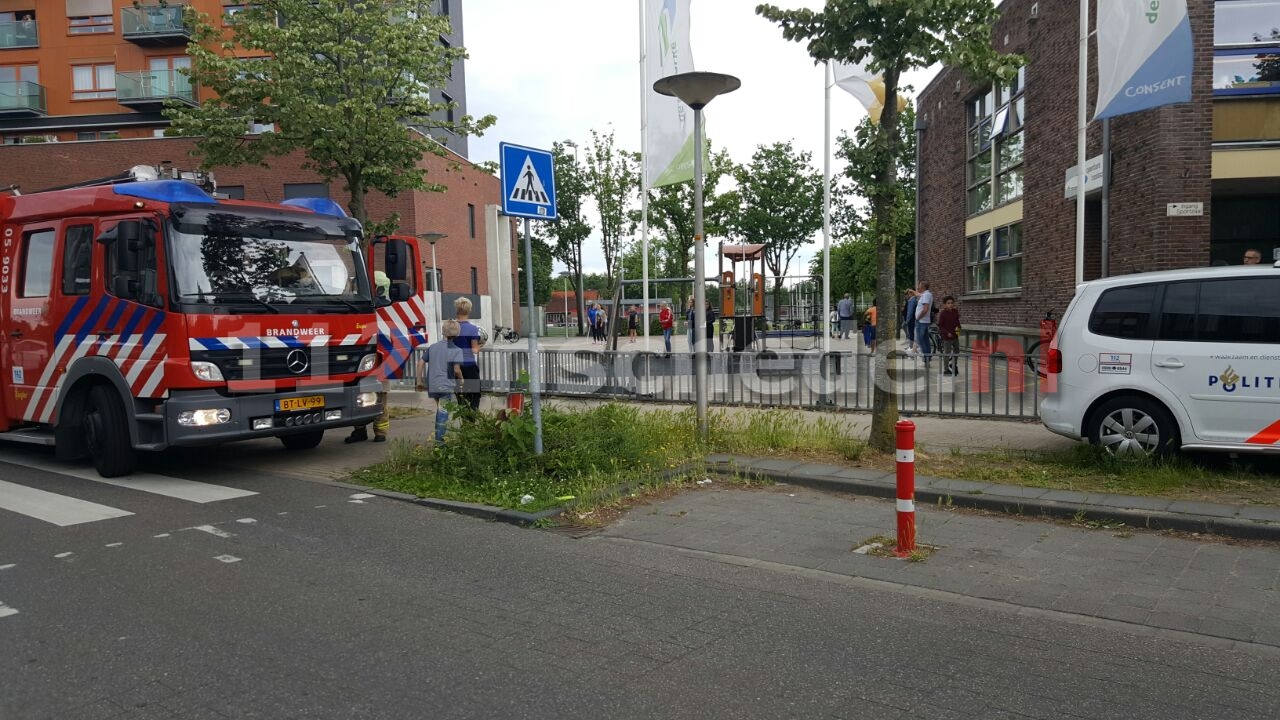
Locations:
(1010, 185)
(1239, 310)
(978, 258)
(995, 119)
(37, 264)
(1246, 22)
(303, 190)
(1249, 73)
(233, 192)
(475, 282)
(1124, 312)
(90, 25)
(77, 258)
(1178, 313)
(471, 219)
(93, 82)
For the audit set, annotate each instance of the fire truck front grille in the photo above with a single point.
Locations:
(275, 363)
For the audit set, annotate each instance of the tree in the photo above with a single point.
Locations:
(612, 180)
(671, 216)
(541, 271)
(571, 229)
(780, 206)
(892, 37)
(342, 80)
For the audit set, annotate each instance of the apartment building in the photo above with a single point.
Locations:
(1190, 185)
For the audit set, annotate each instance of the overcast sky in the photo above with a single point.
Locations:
(556, 69)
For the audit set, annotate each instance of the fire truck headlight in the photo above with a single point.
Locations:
(366, 400)
(202, 418)
(368, 362)
(206, 371)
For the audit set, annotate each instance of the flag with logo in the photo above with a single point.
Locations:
(668, 123)
(1144, 55)
(866, 86)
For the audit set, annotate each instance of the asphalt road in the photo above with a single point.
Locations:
(300, 600)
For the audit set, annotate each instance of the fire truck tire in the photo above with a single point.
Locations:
(107, 433)
(302, 441)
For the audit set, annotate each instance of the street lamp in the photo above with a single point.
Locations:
(432, 238)
(696, 89)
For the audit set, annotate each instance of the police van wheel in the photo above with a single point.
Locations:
(1133, 427)
(107, 433)
(302, 441)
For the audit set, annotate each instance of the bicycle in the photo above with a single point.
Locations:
(506, 333)
(1048, 330)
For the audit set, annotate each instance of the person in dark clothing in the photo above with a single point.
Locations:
(469, 341)
(711, 329)
(949, 330)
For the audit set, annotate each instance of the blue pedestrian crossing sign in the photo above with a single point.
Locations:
(528, 182)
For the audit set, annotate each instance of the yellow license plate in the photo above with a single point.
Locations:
(309, 402)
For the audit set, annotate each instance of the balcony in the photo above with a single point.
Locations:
(21, 34)
(22, 99)
(155, 25)
(148, 90)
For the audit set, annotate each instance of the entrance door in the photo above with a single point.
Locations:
(1218, 351)
(166, 81)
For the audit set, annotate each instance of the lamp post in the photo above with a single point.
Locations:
(433, 238)
(696, 89)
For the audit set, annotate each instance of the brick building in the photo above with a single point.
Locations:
(82, 87)
(997, 214)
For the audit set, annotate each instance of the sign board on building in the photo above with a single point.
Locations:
(528, 182)
(1185, 209)
(1092, 177)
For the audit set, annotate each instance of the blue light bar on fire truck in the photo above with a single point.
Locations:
(169, 191)
(318, 205)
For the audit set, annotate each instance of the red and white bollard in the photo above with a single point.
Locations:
(906, 488)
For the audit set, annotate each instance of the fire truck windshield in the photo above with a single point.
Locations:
(307, 263)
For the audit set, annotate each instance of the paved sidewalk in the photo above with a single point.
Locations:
(1166, 584)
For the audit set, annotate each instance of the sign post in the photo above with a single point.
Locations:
(529, 192)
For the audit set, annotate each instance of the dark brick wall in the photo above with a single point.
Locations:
(1158, 157)
(40, 166)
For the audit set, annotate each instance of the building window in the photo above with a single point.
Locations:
(20, 73)
(90, 25)
(995, 146)
(98, 135)
(444, 8)
(233, 192)
(1243, 23)
(93, 82)
(448, 102)
(993, 260)
(1246, 39)
(471, 219)
(475, 282)
(305, 190)
(18, 29)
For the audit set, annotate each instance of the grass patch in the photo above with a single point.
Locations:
(589, 451)
(1083, 468)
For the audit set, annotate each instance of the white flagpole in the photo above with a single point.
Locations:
(1082, 136)
(826, 211)
(644, 179)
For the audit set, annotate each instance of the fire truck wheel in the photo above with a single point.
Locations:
(302, 441)
(107, 433)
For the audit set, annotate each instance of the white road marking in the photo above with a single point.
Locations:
(361, 496)
(65, 554)
(9, 566)
(53, 508)
(357, 502)
(320, 506)
(116, 544)
(226, 558)
(161, 535)
(6, 611)
(188, 490)
(246, 521)
(211, 530)
(282, 513)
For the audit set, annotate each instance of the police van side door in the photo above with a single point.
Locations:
(1218, 351)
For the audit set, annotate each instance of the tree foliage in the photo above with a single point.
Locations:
(892, 37)
(341, 79)
(571, 228)
(779, 205)
(613, 180)
(541, 271)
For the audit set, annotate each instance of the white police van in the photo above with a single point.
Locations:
(1150, 363)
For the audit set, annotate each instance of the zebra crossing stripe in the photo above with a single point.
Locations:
(52, 507)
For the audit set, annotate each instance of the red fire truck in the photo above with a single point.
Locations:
(140, 313)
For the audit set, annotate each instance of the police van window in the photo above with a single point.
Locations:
(1239, 310)
(37, 263)
(77, 255)
(1124, 312)
(1178, 314)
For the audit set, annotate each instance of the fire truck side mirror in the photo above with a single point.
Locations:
(125, 245)
(397, 259)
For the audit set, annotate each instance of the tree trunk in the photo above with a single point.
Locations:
(884, 405)
(582, 301)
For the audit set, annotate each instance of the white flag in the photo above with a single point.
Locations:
(866, 86)
(668, 123)
(1144, 55)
